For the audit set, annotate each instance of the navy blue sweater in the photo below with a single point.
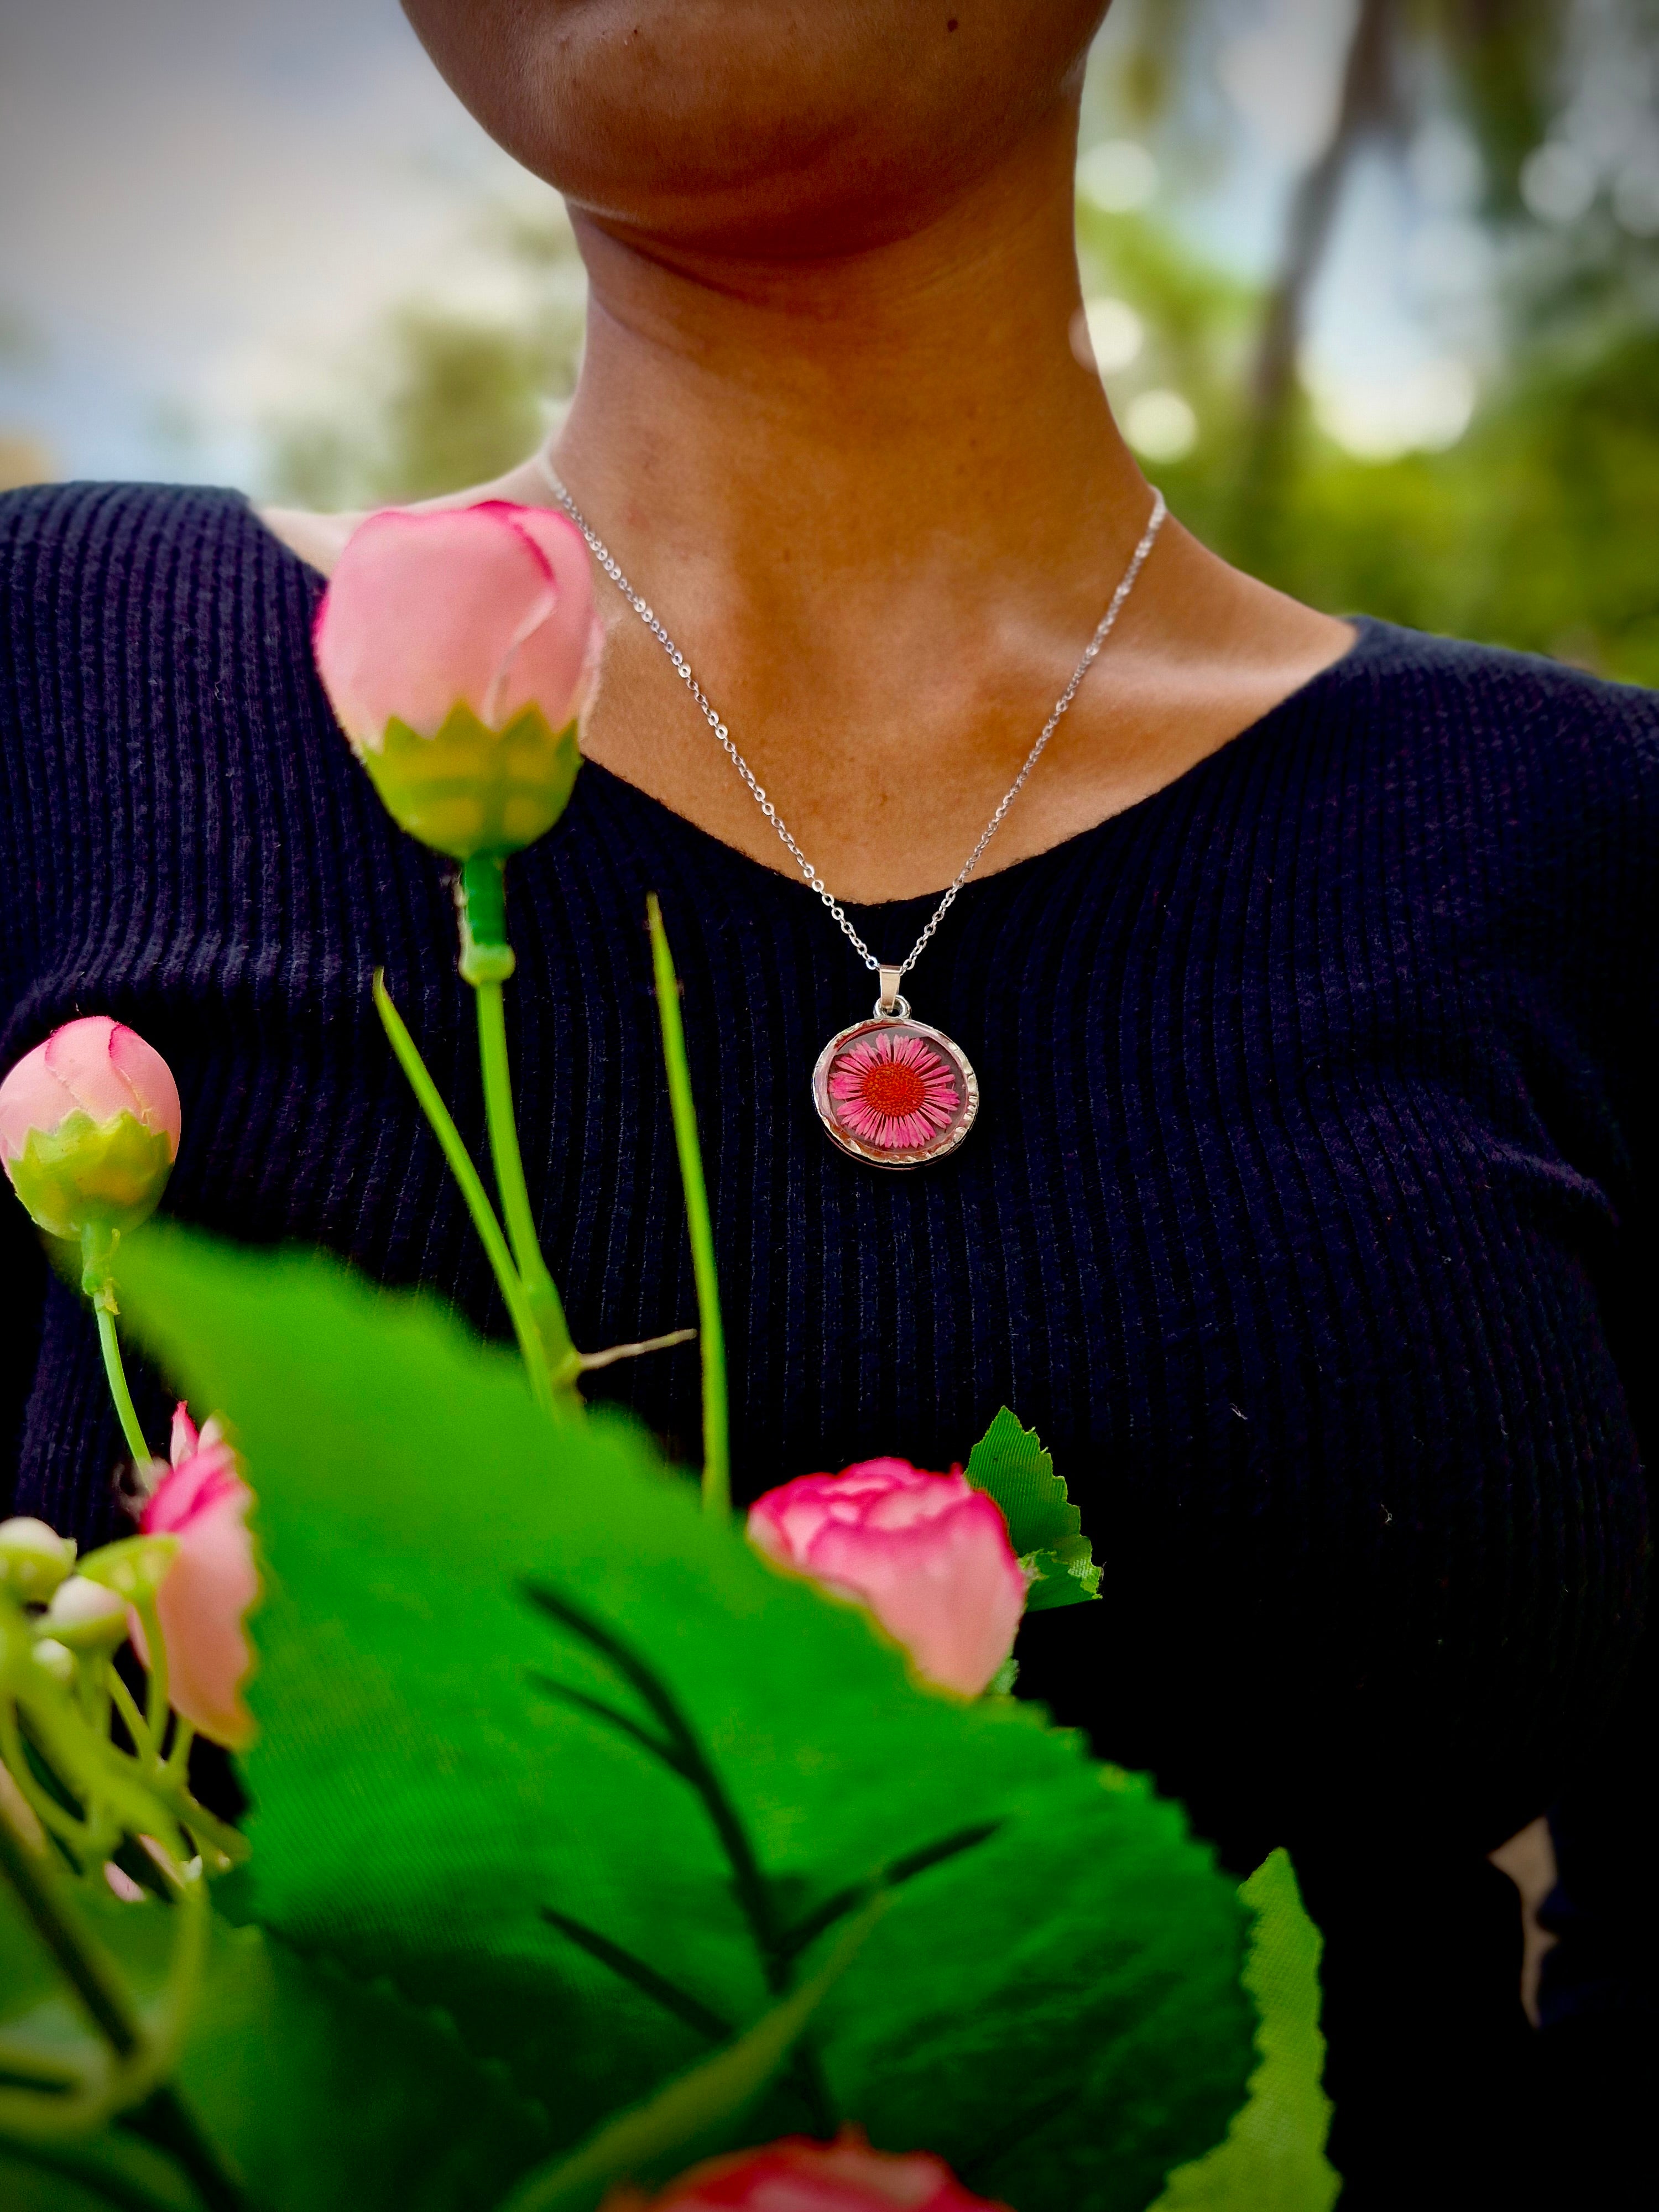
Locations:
(1309, 1215)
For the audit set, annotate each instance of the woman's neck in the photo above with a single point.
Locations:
(881, 504)
(811, 445)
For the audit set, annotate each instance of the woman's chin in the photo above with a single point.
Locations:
(710, 123)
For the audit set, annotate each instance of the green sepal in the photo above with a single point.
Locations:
(134, 1568)
(1045, 1528)
(86, 1174)
(471, 789)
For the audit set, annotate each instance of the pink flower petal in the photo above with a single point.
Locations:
(927, 1554)
(203, 1601)
(188, 1488)
(860, 1076)
(490, 606)
(95, 1066)
(201, 1606)
(185, 1437)
(798, 2175)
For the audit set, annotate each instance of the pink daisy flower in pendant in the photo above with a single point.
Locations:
(894, 1090)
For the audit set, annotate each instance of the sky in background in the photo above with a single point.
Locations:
(202, 202)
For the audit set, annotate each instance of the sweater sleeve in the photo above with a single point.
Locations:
(22, 1264)
(1596, 1996)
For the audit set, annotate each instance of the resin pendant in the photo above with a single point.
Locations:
(891, 1091)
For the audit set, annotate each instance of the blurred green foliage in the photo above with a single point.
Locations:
(461, 402)
(438, 397)
(1535, 529)
(1539, 529)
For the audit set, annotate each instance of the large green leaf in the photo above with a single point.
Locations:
(653, 2140)
(322, 2093)
(108, 2172)
(1055, 2008)
(1273, 2158)
(330, 2095)
(1045, 1528)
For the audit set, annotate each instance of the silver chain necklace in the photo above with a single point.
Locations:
(890, 1090)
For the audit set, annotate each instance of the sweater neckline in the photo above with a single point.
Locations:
(1369, 634)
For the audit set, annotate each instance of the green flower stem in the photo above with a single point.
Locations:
(472, 1190)
(118, 1384)
(231, 1844)
(716, 1428)
(155, 1696)
(91, 1691)
(97, 1250)
(78, 1959)
(487, 961)
(163, 2119)
(615, 1352)
(563, 1359)
(485, 952)
(176, 1765)
(104, 1997)
(136, 1726)
(51, 1814)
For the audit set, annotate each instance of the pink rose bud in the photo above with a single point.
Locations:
(458, 650)
(927, 1554)
(798, 2175)
(204, 1597)
(89, 1127)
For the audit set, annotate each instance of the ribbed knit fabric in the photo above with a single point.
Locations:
(1307, 1215)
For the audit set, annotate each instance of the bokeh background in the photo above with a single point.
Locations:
(1373, 284)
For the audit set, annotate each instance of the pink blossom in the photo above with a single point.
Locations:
(927, 1554)
(203, 1601)
(94, 1067)
(489, 607)
(798, 2175)
(894, 1090)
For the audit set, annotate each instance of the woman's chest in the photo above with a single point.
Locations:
(1241, 1186)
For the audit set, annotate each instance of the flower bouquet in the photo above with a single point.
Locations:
(599, 1849)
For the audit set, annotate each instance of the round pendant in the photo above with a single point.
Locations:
(894, 1092)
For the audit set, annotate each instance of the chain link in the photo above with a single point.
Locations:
(710, 714)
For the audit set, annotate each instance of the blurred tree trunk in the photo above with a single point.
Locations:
(1366, 105)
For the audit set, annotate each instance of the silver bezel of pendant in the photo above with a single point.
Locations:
(915, 1155)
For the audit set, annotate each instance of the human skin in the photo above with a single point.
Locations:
(831, 422)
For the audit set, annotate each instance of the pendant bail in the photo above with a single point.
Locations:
(890, 1002)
